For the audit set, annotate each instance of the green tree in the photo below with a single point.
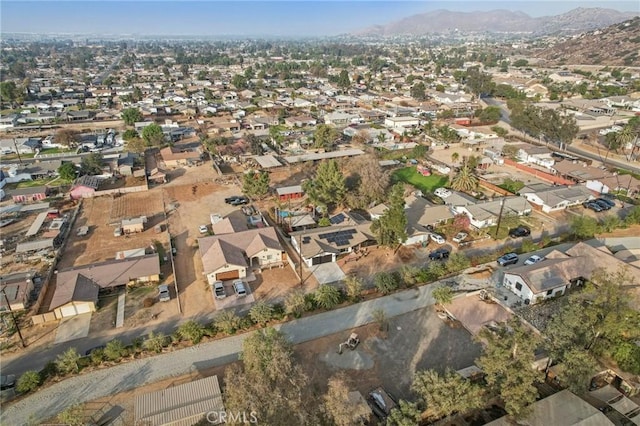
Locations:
(256, 184)
(155, 342)
(478, 82)
(129, 134)
(192, 331)
(583, 227)
(67, 171)
(115, 350)
(418, 91)
(261, 313)
(385, 282)
(269, 383)
(633, 216)
(28, 381)
(443, 295)
(136, 145)
(67, 362)
(465, 180)
(520, 63)
(67, 137)
(457, 262)
(391, 228)
(8, 92)
(500, 131)
(490, 114)
(327, 296)
(131, 116)
(369, 182)
(579, 366)
(419, 151)
(72, 416)
(507, 362)
(324, 136)
(153, 135)
(343, 79)
(239, 81)
(328, 186)
(405, 414)
(353, 287)
(610, 222)
(91, 164)
(227, 321)
(339, 407)
(448, 393)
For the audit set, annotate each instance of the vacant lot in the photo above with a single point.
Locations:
(424, 183)
(127, 206)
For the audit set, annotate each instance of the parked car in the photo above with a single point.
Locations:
(117, 232)
(533, 259)
(239, 201)
(228, 200)
(203, 229)
(508, 259)
(520, 231)
(593, 206)
(163, 293)
(460, 236)
(608, 201)
(239, 288)
(218, 290)
(439, 254)
(7, 381)
(438, 238)
(442, 192)
(603, 204)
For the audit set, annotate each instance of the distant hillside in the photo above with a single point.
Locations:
(501, 21)
(615, 45)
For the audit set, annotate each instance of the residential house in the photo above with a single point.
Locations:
(235, 250)
(550, 198)
(578, 171)
(173, 156)
(19, 145)
(485, 214)
(77, 288)
(28, 195)
(340, 118)
(300, 121)
(450, 98)
(560, 271)
(422, 217)
(16, 289)
(84, 187)
(324, 245)
(287, 193)
(533, 154)
(626, 184)
(400, 124)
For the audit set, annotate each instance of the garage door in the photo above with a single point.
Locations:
(68, 311)
(229, 275)
(322, 259)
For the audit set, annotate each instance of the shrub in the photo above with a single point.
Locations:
(261, 313)
(633, 217)
(353, 287)
(148, 302)
(408, 275)
(610, 222)
(327, 296)
(50, 370)
(67, 362)
(115, 350)
(310, 303)
(192, 331)
(528, 245)
(457, 262)
(442, 295)
(97, 356)
(72, 416)
(155, 342)
(28, 382)
(295, 303)
(227, 322)
(385, 282)
(278, 311)
(584, 227)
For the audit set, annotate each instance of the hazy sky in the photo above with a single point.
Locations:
(284, 18)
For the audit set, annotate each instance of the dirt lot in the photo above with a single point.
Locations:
(415, 341)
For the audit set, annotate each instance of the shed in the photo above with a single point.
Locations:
(290, 192)
(131, 226)
(36, 225)
(182, 405)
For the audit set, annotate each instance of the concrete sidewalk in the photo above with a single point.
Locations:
(48, 402)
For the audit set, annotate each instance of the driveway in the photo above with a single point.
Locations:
(73, 328)
(327, 273)
(97, 384)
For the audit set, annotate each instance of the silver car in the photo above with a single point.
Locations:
(163, 293)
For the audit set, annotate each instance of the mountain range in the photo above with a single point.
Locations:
(500, 21)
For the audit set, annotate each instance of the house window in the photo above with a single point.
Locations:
(518, 286)
(549, 293)
(269, 257)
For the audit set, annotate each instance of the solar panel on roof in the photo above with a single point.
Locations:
(339, 218)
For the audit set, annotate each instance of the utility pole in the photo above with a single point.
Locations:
(13, 317)
(499, 217)
(17, 150)
(300, 246)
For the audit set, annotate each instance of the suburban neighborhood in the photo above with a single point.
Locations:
(378, 230)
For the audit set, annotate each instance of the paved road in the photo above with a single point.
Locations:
(54, 399)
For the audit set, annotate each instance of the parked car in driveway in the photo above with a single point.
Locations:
(239, 201)
(7, 381)
(163, 293)
(508, 259)
(438, 254)
(533, 259)
(442, 192)
(218, 290)
(203, 229)
(437, 238)
(603, 204)
(460, 236)
(520, 231)
(607, 201)
(592, 205)
(239, 288)
(228, 200)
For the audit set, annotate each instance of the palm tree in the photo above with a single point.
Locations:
(465, 180)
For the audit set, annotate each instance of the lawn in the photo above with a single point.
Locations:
(424, 183)
(53, 182)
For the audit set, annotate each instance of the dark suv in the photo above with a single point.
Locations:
(441, 253)
(593, 206)
(520, 231)
(508, 259)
